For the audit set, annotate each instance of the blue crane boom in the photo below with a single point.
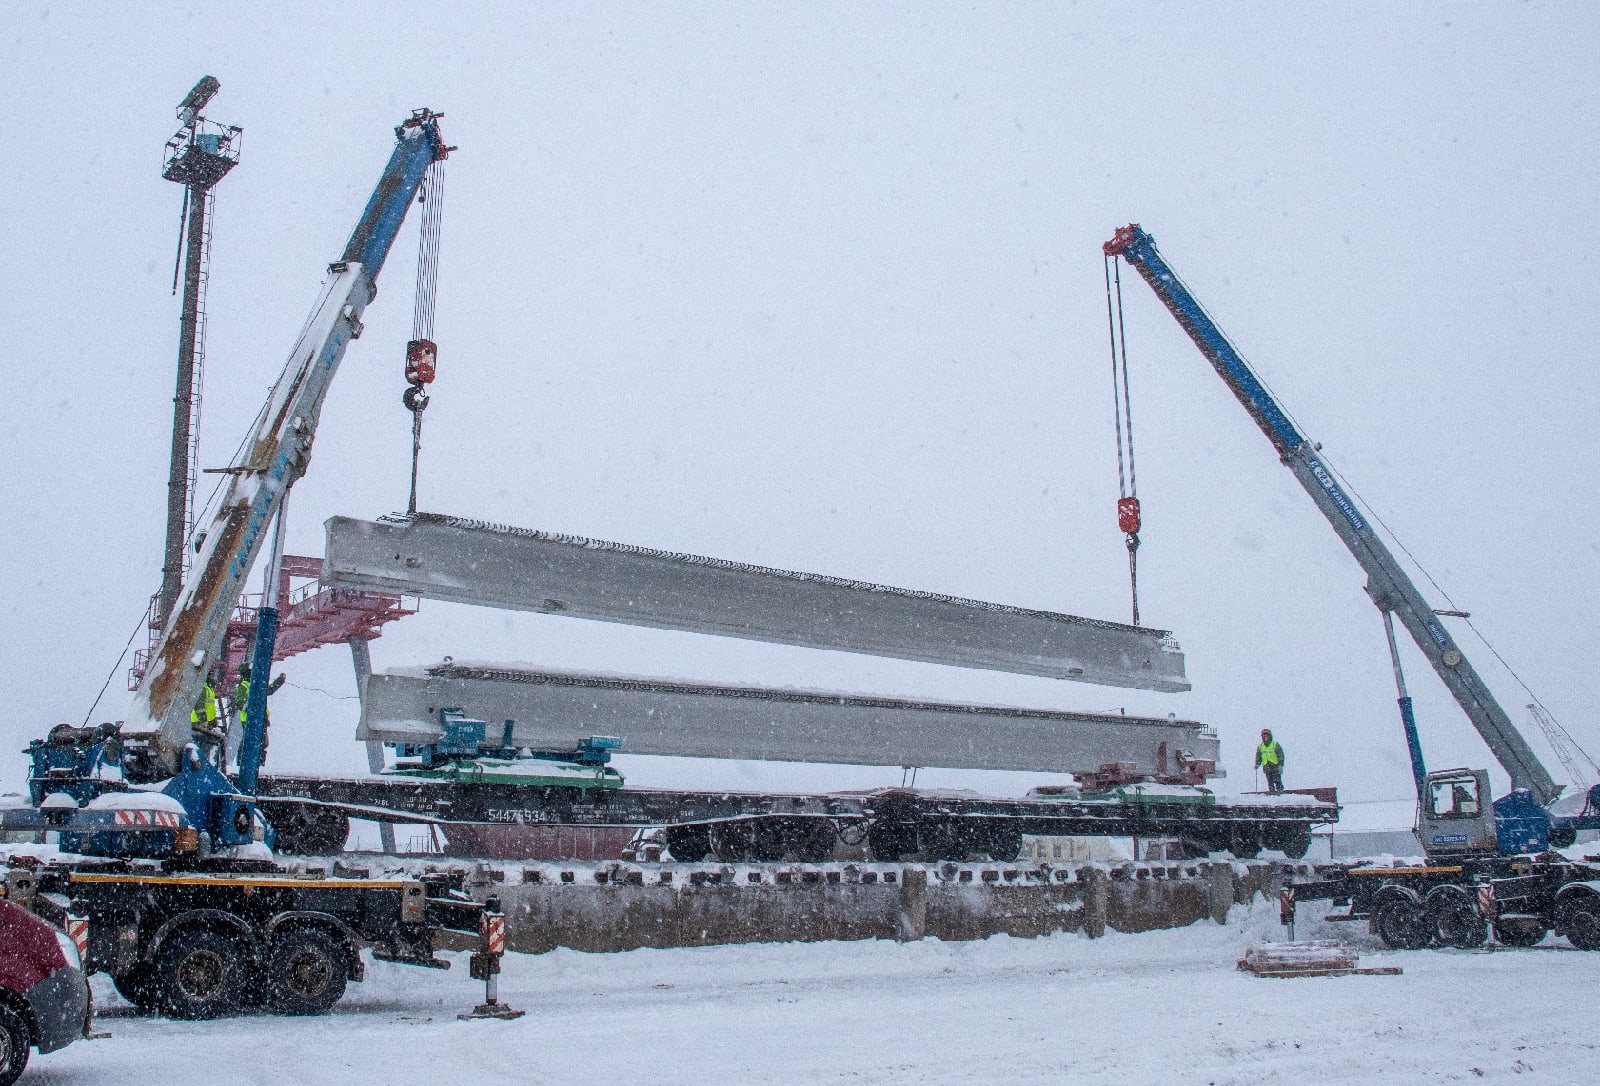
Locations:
(1388, 584)
(274, 456)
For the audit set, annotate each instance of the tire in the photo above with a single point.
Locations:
(1565, 837)
(306, 971)
(306, 830)
(1582, 926)
(1520, 933)
(1003, 842)
(688, 844)
(890, 841)
(1454, 921)
(14, 1042)
(1402, 925)
(199, 974)
(137, 988)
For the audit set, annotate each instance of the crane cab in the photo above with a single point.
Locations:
(1457, 815)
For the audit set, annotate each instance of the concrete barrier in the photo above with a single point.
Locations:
(611, 907)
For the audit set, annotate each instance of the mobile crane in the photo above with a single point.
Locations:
(181, 901)
(158, 742)
(1485, 859)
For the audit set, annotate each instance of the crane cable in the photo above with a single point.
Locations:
(422, 353)
(1466, 617)
(1127, 478)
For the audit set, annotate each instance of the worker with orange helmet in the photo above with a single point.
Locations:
(1269, 759)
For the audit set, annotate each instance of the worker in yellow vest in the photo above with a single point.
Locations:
(206, 712)
(1269, 759)
(241, 702)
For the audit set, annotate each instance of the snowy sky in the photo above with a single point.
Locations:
(820, 287)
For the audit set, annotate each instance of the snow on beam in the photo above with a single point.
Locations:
(555, 711)
(467, 561)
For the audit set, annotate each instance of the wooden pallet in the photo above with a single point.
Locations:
(1318, 959)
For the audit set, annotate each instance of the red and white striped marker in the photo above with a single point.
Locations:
(78, 932)
(486, 963)
(168, 820)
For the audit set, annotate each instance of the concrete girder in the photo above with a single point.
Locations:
(555, 711)
(466, 561)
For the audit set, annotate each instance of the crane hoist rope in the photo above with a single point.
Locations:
(422, 353)
(1128, 520)
(1541, 713)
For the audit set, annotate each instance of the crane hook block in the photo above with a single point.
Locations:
(1128, 515)
(422, 356)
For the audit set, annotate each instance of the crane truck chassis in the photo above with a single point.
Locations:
(204, 944)
(1457, 903)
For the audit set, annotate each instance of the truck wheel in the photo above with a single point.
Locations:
(1582, 927)
(1520, 933)
(688, 844)
(1564, 837)
(1402, 924)
(137, 988)
(1454, 922)
(14, 1040)
(306, 971)
(199, 974)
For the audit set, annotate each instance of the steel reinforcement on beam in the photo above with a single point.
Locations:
(466, 561)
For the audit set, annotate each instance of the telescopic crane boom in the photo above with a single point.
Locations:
(1387, 582)
(273, 458)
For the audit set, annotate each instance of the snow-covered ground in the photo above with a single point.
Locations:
(1165, 1006)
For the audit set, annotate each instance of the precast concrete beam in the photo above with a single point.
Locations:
(555, 711)
(466, 561)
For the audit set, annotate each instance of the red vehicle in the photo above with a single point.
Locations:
(44, 993)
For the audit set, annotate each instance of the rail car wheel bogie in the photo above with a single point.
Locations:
(689, 844)
(1244, 841)
(812, 839)
(1002, 841)
(731, 841)
(889, 842)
